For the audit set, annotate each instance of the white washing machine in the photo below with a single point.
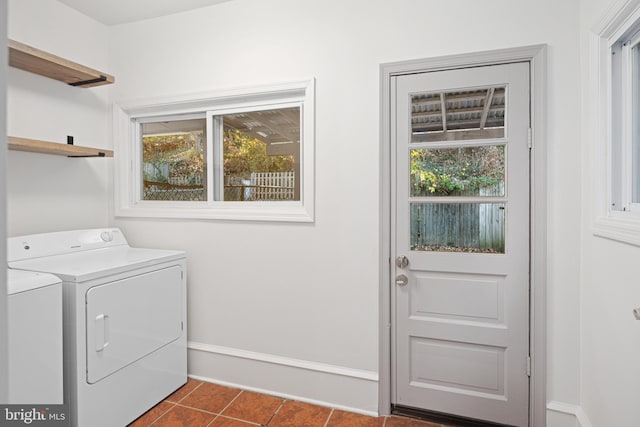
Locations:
(34, 309)
(125, 330)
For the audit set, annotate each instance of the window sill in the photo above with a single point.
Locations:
(621, 226)
(243, 211)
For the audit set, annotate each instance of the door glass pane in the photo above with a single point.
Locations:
(261, 151)
(635, 123)
(458, 115)
(458, 227)
(173, 156)
(465, 171)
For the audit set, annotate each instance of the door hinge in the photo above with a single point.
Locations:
(529, 138)
(528, 366)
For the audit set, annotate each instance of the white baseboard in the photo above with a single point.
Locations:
(560, 414)
(317, 383)
(321, 384)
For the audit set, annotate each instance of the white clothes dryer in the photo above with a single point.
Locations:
(125, 328)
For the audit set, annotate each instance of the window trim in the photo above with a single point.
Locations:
(610, 143)
(125, 114)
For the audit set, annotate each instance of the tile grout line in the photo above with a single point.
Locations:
(216, 414)
(326, 423)
(229, 404)
(173, 405)
(196, 409)
(219, 414)
(226, 417)
(214, 418)
(185, 396)
(211, 422)
(275, 413)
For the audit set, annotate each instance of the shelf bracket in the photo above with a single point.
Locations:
(100, 154)
(88, 82)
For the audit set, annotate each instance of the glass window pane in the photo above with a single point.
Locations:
(635, 123)
(465, 171)
(261, 151)
(458, 227)
(460, 115)
(173, 156)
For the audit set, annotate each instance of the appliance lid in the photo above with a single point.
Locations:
(23, 281)
(93, 264)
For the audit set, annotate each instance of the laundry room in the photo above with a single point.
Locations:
(291, 290)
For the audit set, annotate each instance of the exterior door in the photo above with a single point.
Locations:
(461, 242)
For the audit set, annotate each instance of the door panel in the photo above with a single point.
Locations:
(130, 318)
(482, 302)
(458, 366)
(461, 323)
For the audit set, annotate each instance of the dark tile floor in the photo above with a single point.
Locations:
(201, 404)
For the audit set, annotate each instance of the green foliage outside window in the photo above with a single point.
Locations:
(182, 154)
(456, 171)
(244, 154)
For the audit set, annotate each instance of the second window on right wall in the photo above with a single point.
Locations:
(625, 150)
(613, 104)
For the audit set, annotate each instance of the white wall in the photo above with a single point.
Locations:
(50, 193)
(295, 294)
(610, 336)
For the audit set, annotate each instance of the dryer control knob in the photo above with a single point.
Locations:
(106, 236)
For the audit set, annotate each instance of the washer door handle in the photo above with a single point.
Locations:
(102, 332)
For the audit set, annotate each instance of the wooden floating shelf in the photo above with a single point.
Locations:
(45, 64)
(55, 148)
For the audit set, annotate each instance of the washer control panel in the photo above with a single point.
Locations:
(106, 236)
(62, 242)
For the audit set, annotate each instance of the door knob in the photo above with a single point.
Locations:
(402, 280)
(402, 261)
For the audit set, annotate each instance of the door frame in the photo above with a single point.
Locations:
(536, 57)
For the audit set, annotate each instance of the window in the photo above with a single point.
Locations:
(616, 123)
(173, 158)
(625, 70)
(245, 154)
(634, 139)
(458, 152)
(260, 155)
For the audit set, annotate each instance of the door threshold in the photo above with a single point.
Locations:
(447, 419)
